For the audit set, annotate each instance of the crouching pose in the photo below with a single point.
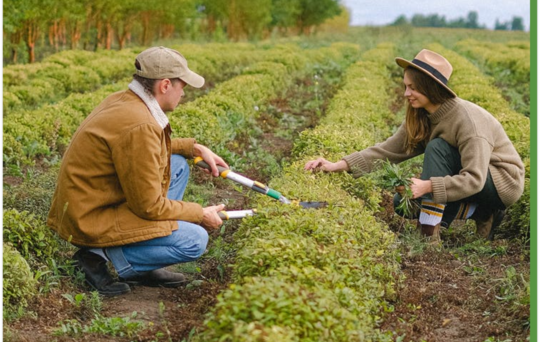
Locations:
(470, 170)
(120, 187)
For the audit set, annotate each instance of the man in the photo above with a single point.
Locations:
(122, 179)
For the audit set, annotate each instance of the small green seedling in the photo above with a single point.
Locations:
(393, 177)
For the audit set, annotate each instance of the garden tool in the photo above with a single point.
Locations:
(236, 214)
(253, 185)
(256, 186)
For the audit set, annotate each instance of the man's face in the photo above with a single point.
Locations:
(173, 95)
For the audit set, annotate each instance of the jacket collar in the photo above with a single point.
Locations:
(150, 102)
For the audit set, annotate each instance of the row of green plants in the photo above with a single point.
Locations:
(318, 275)
(470, 84)
(27, 86)
(512, 58)
(229, 110)
(26, 231)
(45, 132)
(508, 63)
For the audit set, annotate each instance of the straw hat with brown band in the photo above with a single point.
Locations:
(432, 64)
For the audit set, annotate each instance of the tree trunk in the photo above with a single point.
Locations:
(88, 27)
(167, 31)
(145, 16)
(15, 39)
(31, 35)
(62, 32)
(109, 36)
(211, 24)
(233, 29)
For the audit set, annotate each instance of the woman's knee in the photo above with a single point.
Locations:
(438, 146)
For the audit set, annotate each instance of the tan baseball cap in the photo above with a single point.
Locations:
(160, 62)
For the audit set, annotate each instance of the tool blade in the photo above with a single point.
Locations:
(313, 205)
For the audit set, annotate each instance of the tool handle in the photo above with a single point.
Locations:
(235, 214)
(202, 164)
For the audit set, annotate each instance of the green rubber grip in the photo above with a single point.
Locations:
(273, 193)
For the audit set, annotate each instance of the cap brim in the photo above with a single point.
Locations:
(405, 63)
(193, 79)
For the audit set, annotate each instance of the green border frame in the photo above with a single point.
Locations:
(534, 170)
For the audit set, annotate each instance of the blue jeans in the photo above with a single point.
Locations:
(187, 243)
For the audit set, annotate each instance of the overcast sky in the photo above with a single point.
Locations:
(383, 12)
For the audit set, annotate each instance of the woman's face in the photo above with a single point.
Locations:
(415, 98)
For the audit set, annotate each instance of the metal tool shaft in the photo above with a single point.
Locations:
(238, 178)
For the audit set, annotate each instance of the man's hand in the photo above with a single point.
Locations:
(210, 158)
(325, 165)
(211, 219)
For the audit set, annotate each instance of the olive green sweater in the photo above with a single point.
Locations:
(482, 144)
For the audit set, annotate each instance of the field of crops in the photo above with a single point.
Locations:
(285, 274)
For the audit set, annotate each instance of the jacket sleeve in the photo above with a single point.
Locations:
(475, 157)
(183, 147)
(393, 149)
(139, 164)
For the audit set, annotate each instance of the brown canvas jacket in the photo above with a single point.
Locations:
(113, 181)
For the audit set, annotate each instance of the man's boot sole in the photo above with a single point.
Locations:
(110, 293)
(155, 283)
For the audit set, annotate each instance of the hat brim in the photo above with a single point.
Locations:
(405, 63)
(193, 79)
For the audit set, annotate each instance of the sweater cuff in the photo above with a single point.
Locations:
(357, 164)
(438, 189)
(183, 147)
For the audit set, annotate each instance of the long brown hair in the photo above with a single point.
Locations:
(417, 121)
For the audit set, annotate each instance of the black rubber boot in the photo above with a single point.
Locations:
(97, 274)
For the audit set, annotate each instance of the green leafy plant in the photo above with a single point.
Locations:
(19, 284)
(30, 236)
(394, 177)
(110, 326)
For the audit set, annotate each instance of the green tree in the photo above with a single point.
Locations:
(500, 26)
(472, 20)
(285, 14)
(248, 18)
(13, 23)
(36, 16)
(400, 21)
(517, 24)
(217, 13)
(315, 12)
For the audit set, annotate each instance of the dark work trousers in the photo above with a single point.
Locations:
(441, 159)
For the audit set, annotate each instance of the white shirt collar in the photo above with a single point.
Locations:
(150, 102)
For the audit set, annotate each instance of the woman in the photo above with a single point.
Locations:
(470, 169)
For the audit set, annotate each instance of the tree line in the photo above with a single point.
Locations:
(471, 21)
(102, 24)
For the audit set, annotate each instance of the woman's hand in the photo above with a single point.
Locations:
(210, 158)
(420, 187)
(211, 219)
(325, 165)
